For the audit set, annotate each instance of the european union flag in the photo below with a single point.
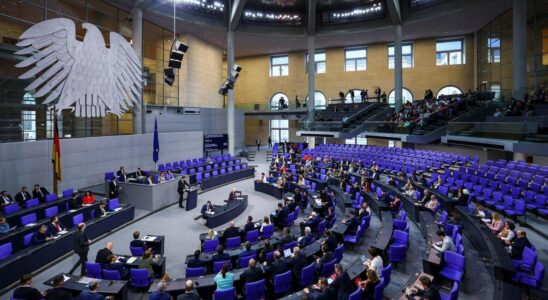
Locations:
(156, 146)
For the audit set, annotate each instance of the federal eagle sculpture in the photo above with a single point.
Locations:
(85, 77)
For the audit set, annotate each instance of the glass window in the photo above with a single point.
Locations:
(357, 97)
(406, 56)
(493, 50)
(358, 140)
(450, 52)
(355, 59)
(449, 90)
(279, 101)
(391, 143)
(406, 95)
(319, 61)
(279, 130)
(495, 87)
(279, 66)
(320, 102)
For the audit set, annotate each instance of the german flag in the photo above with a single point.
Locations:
(56, 151)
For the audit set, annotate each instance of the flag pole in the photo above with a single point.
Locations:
(55, 181)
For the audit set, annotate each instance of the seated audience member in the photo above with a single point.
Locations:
(410, 192)
(220, 255)
(297, 262)
(101, 211)
(40, 193)
(342, 283)
(364, 211)
(425, 197)
(137, 242)
(352, 223)
(287, 237)
(196, 262)
(231, 231)
(253, 273)
(391, 181)
(280, 215)
(395, 204)
(114, 264)
(57, 292)
(41, 236)
(22, 196)
(247, 250)
(54, 227)
(91, 293)
(169, 175)
(103, 254)
(233, 194)
(507, 234)
(249, 225)
(75, 201)
(263, 178)
(518, 244)
(224, 279)
(331, 240)
(307, 239)
(497, 224)
(320, 290)
(375, 262)
(445, 244)
(278, 266)
(4, 226)
(139, 173)
(461, 197)
(327, 256)
(147, 262)
(88, 198)
(432, 204)
(208, 207)
(266, 221)
(368, 285)
(267, 247)
(329, 215)
(438, 183)
(26, 291)
(426, 291)
(5, 199)
(312, 221)
(122, 174)
(161, 293)
(162, 177)
(189, 294)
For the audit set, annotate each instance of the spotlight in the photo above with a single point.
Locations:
(178, 50)
(169, 76)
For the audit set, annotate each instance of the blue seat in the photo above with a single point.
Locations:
(6, 250)
(453, 266)
(328, 268)
(11, 208)
(210, 246)
(137, 251)
(379, 290)
(338, 253)
(386, 274)
(51, 211)
(113, 204)
(32, 203)
(68, 193)
(244, 261)
(268, 231)
(27, 238)
(51, 197)
(356, 295)
(233, 242)
(77, 219)
(252, 236)
(93, 270)
(218, 265)
(282, 282)
(255, 290)
(139, 278)
(195, 272)
(111, 275)
(28, 219)
(308, 274)
(228, 294)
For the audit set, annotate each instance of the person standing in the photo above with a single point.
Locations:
(363, 95)
(113, 188)
(258, 142)
(182, 186)
(269, 142)
(297, 102)
(81, 248)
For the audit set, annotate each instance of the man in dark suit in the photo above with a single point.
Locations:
(57, 292)
(139, 173)
(101, 211)
(233, 194)
(249, 226)
(81, 248)
(220, 256)
(231, 231)
(248, 251)
(342, 285)
(5, 199)
(22, 196)
(40, 193)
(312, 222)
(279, 216)
(75, 201)
(103, 254)
(196, 262)
(278, 266)
(25, 291)
(54, 227)
(91, 293)
(327, 256)
(122, 174)
(297, 262)
(137, 242)
(113, 189)
(518, 244)
(352, 223)
(286, 237)
(427, 291)
(189, 292)
(320, 291)
(41, 236)
(182, 186)
(331, 240)
(252, 274)
(307, 239)
(207, 207)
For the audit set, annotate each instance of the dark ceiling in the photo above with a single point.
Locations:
(436, 18)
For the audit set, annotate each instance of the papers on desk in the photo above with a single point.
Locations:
(210, 212)
(117, 209)
(72, 210)
(30, 224)
(62, 232)
(148, 238)
(86, 205)
(87, 280)
(131, 260)
(240, 198)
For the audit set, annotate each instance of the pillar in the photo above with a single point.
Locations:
(138, 110)
(311, 142)
(230, 102)
(398, 81)
(519, 49)
(311, 72)
(520, 156)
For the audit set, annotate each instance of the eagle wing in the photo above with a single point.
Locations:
(52, 45)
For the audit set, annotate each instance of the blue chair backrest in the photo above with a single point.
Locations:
(233, 242)
(32, 202)
(282, 282)
(6, 250)
(255, 290)
(218, 265)
(328, 268)
(356, 295)
(51, 197)
(111, 275)
(244, 261)
(11, 208)
(228, 294)
(194, 272)
(113, 204)
(51, 211)
(27, 239)
(379, 290)
(67, 193)
(307, 274)
(109, 176)
(27, 219)
(252, 236)
(93, 270)
(139, 278)
(79, 218)
(210, 245)
(136, 251)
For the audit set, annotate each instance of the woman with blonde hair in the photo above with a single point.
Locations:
(368, 286)
(497, 224)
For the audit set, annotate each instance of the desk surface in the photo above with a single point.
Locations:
(413, 281)
(223, 214)
(385, 234)
(106, 287)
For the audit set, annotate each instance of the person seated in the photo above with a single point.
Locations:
(263, 178)
(438, 183)
(91, 293)
(320, 290)
(4, 226)
(410, 192)
(327, 256)
(297, 262)
(147, 262)
(408, 184)
(220, 255)
(364, 211)
(426, 290)
(113, 263)
(391, 181)
(312, 221)
(233, 195)
(331, 240)
(75, 201)
(195, 261)
(26, 291)
(300, 181)
(342, 284)
(22, 196)
(41, 236)
(58, 292)
(249, 225)
(169, 175)
(55, 227)
(122, 174)
(88, 198)
(445, 244)
(206, 208)
(518, 244)
(307, 239)
(383, 198)
(287, 238)
(291, 204)
(101, 211)
(5, 199)
(461, 196)
(40, 193)
(395, 204)
(224, 279)
(253, 273)
(278, 266)
(139, 173)
(374, 263)
(247, 250)
(161, 293)
(266, 221)
(189, 292)
(507, 234)
(368, 285)
(280, 215)
(103, 254)
(137, 242)
(267, 247)
(231, 231)
(352, 222)
(162, 177)
(432, 204)
(425, 198)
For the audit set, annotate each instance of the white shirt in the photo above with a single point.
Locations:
(509, 237)
(377, 265)
(446, 244)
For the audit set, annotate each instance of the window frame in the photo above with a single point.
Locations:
(449, 52)
(316, 106)
(276, 97)
(280, 66)
(346, 50)
(393, 104)
(324, 61)
(276, 138)
(491, 50)
(391, 56)
(448, 86)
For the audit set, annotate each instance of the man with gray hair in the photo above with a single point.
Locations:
(91, 293)
(160, 294)
(189, 292)
(307, 239)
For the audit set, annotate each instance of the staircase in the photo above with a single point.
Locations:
(251, 155)
(268, 155)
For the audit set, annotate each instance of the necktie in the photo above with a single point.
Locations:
(24, 198)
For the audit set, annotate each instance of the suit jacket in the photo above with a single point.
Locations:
(118, 266)
(19, 198)
(220, 257)
(232, 196)
(100, 212)
(58, 294)
(181, 186)
(196, 263)
(39, 238)
(53, 229)
(252, 275)
(189, 296)
(298, 198)
(88, 295)
(7, 200)
(313, 223)
(306, 240)
(326, 258)
(205, 208)
(102, 255)
(249, 227)
(297, 264)
(431, 294)
(332, 242)
(322, 295)
(139, 173)
(41, 195)
(27, 293)
(137, 243)
(343, 285)
(75, 203)
(231, 232)
(159, 296)
(518, 244)
(112, 190)
(353, 225)
(278, 267)
(81, 242)
(121, 176)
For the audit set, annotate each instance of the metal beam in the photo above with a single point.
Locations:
(311, 29)
(236, 14)
(394, 11)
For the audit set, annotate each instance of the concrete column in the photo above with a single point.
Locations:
(311, 72)
(398, 81)
(311, 142)
(230, 103)
(520, 156)
(519, 49)
(139, 109)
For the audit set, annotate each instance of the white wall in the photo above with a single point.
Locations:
(85, 160)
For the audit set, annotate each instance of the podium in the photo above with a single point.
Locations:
(192, 198)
